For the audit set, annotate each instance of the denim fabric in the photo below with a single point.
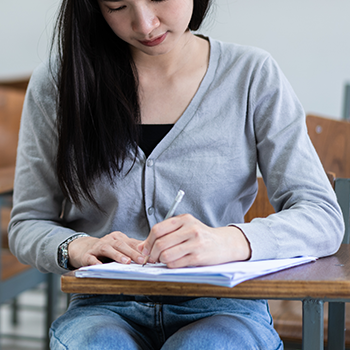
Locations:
(107, 322)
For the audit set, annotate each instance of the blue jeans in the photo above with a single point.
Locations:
(105, 322)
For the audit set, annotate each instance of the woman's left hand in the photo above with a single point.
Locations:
(182, 241)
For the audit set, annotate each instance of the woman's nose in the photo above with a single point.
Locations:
(145, 21)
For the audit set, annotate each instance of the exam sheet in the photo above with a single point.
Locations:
(228, 275)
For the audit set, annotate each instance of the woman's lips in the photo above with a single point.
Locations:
(155, 41)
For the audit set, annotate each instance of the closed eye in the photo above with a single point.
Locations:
(110, 10)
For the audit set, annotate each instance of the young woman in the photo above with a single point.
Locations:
(136, 107)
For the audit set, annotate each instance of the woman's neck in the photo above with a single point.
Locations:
(167, 88)
(184, 52)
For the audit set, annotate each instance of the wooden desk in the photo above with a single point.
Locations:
(327, 279)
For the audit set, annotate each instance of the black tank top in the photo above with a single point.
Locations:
(151, 135)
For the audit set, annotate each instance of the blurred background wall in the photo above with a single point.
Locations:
(25, 32)
(310, 39)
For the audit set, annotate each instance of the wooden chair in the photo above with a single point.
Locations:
(331, 139)
(261, 207)
(11, 102)
(16, 277)
(18, 83)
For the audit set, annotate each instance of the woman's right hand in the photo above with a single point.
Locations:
(115, 246)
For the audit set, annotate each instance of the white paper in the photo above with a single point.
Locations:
(227, 275)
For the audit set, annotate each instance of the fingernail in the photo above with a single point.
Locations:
(140, 260)
(145, 252)
(125, 260)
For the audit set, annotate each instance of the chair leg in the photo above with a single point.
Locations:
(14, 313)
(0, 325)
(51, 304)
(312, 324)
(336, 326)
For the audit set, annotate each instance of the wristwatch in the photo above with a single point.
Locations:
(62, 253)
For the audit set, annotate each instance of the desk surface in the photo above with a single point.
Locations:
(327, 278)
(6, 179)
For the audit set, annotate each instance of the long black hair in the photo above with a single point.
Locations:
(98, 109)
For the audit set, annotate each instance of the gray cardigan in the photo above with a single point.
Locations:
(244, 114)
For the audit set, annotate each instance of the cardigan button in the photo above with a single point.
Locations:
(150, 211)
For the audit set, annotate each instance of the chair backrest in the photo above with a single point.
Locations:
(11, 103)
(17, 83)
(331, 139)
(261, 207)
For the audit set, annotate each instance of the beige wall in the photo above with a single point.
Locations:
(310, 39)
(25, 30)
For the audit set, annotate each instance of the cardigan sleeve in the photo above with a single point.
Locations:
(36, 229)
(308, 220)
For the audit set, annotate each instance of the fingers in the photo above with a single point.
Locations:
(118, 247)
(185, 241)
(178, 242)
(171, 247)
(157, 231)
(189, 247)
(173, 232)
(115, 246)
(166, 227)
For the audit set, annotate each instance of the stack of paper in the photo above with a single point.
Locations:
(227, 275)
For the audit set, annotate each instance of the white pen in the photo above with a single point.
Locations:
(170, 213)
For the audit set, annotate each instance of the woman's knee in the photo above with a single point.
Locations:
(94, 332)
(224, 332)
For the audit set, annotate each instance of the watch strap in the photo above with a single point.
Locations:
(62, 254)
